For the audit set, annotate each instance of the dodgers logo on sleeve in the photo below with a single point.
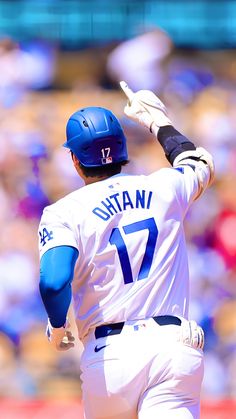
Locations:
(45, 236)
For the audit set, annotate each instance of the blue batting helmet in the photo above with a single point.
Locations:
(95, 136)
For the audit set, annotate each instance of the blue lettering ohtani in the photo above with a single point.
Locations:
(118, 202)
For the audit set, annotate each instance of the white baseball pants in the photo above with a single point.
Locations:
(144, 372)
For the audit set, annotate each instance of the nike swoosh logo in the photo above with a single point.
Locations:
(98, 348)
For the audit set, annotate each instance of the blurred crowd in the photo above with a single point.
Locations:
(198, 88)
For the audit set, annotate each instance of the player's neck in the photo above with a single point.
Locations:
(90, 180)
(87, 179)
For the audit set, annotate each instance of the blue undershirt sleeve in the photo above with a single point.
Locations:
(56, 274)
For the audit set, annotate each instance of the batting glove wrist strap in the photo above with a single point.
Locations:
(145, 108)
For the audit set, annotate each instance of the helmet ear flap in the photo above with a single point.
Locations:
(95, 136)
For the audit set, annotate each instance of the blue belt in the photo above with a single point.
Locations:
(116, 328)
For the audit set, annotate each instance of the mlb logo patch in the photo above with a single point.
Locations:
(138, 326)
(107, 160)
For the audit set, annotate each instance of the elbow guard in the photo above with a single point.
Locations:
(173, 142)
(202, 163)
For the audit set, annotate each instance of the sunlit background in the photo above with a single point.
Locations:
(59, 56)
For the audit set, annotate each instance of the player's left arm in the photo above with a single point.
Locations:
(56, 275)
(58, 255)
(147, 109)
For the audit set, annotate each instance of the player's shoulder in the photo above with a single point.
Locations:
(166, 174)
(63, 205)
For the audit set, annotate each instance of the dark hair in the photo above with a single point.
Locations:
(106, 170)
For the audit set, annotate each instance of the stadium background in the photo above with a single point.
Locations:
(55, 57)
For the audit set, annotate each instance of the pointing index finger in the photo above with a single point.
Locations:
(127, 91)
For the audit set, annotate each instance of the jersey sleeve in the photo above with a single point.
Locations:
(55, 230)
(182, 181)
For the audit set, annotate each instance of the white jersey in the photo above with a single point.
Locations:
(129, 233)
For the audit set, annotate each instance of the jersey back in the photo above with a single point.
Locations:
(128, 229)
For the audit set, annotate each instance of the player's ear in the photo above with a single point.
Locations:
(74, 159)
(77, 165)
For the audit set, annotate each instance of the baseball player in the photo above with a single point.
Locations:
(142, 357)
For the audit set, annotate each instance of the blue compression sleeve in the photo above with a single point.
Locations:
(56, 274)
